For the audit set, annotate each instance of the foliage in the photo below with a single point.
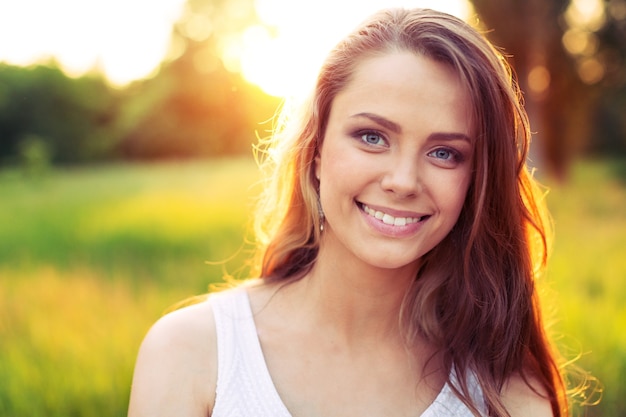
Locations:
(91, 257)
(47, 117)
(193, 107)
(63, 119)
(196, 106)
(196, 113)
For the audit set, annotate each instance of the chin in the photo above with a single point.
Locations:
(388, 264)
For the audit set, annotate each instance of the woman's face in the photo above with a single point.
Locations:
(395, 163)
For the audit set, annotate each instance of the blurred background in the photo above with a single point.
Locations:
(127, 178)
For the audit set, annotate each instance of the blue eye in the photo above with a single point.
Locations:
(372, 138)
(443, 154)
(447, 156)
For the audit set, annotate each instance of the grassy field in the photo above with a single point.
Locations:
(91, 257)
(588, 275)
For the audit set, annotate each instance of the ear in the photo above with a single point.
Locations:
(317, 165)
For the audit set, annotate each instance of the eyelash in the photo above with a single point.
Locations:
(455, 156)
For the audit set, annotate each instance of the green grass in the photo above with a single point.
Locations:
(91, 257)
(588, 271)
(139, 221)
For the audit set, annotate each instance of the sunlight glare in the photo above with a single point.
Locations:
(282, 55)
(125, 39)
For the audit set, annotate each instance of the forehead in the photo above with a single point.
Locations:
(410, 89)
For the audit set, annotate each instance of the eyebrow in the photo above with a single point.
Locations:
(449, 136)
(396, 128)
(386, 123)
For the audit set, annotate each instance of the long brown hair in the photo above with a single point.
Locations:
(474, 296)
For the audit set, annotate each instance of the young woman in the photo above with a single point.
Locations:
(400, 238)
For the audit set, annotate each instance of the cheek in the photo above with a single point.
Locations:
(332, 160)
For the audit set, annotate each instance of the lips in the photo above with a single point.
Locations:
(388, 218)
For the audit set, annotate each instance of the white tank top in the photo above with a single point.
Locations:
(244, 385)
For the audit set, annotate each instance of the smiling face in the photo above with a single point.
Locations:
(395, 162)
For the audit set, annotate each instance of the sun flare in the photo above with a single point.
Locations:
(127, 40)
(282, 54)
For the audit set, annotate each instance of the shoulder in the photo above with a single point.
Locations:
(183, 330)
(525, 397)
(176, 368)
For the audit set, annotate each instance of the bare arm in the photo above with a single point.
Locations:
(176, 369)
(521, 400)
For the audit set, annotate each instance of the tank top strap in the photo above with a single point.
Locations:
(449, 404)
(244, 385)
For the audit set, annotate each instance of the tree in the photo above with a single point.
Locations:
(609, 131)
(195, 106)
(196, 113)
(561, 84)
(41, 108)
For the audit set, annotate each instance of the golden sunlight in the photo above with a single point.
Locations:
(127, 40)
(124, 39)
(282, 54)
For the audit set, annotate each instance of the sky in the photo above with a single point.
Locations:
(127, 39)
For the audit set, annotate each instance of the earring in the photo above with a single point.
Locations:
(320, 212)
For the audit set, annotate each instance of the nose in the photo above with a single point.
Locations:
(402, 176)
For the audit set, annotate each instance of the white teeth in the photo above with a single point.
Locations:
(389, 219)
(400, 221)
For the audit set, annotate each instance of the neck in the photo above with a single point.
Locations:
(353, 300)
